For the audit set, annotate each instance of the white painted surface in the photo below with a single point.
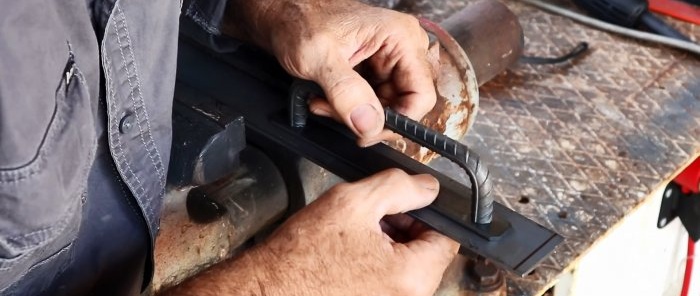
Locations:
(635, 258)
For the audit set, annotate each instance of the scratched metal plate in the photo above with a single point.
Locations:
(577, 146)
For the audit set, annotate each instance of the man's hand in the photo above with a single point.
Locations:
(353, 240)
(330, 41)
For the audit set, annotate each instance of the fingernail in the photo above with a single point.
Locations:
(365, 119)
(428, 182)
(370, 143)
(321, 112)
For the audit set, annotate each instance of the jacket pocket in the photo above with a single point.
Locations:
(41, 200)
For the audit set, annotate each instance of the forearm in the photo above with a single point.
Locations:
(247, 274)
(335, 246)
(267, 23)
(244, 20)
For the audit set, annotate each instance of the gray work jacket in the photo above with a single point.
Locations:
(86, 90)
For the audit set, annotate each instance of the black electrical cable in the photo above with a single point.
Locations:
(478, 173)
(574, 53)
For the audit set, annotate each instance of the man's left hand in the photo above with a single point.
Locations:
(334, 42)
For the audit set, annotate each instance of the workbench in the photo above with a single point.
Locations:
(576, 147)
(579, 146)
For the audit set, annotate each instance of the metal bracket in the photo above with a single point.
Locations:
(686, 206)
(682, 199)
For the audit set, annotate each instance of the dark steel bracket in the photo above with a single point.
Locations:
(681, 198)
(685, 206)
(510, 240)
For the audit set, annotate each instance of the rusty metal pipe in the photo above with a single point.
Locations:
(490, 35)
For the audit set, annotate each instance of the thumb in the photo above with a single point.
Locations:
(426, 258)
(351, 97)
(431, 246)
(393, 191)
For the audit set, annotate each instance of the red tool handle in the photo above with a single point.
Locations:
(676, 9)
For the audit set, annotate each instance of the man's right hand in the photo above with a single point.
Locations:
(353, 240)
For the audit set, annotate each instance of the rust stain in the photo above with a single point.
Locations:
(454, 109)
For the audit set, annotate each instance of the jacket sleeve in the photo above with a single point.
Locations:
(202, 21)
(208, 14)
